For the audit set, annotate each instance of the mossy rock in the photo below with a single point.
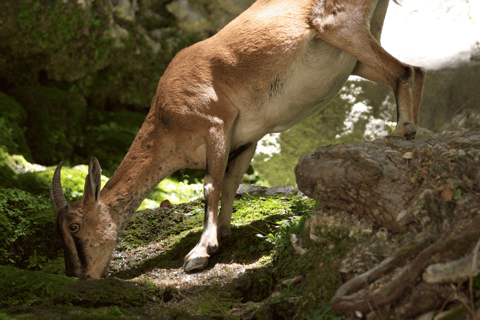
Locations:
(64, 39)
(27, 229)
(12, 118)
(78, 46)
(55, 122)
(10, 165)
(23, 287)
(101, 293)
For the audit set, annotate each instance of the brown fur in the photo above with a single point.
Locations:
(275, 64)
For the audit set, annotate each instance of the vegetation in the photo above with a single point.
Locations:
(261, 229)
(32, 263)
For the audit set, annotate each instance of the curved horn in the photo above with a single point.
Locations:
(57, 198)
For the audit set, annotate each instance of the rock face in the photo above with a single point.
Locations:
(112, 50)
(391, 182)
(360, 178)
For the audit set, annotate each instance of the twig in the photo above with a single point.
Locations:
(472, 311)
(446, 301)
(218, 307)
(475, 256)
(181, 295)
(234, 300)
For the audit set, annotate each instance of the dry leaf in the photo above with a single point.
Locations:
(447, 195)
(165, 203)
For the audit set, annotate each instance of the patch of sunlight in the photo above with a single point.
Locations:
(374, 128)
(377, 128)
(174, 191)
(268, 145)
(148, 204)
(250, 209)
(83, 169)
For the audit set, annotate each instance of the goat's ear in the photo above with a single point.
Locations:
(93, 182)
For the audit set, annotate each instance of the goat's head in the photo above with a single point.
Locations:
(86, 230)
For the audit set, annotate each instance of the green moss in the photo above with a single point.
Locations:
(73, 181)
(38, 182)
(27, 229)
(321, 267)
(158, 225)
(62, 38)
(249, 209)
(22, 287)
(103, 292)
(211, 304)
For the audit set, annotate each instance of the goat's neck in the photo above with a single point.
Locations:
(143, 167)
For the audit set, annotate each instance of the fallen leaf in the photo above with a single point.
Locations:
(165, 203)
(447, 195)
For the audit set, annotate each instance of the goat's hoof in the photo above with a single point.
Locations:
(195, 264)
(223, 235)
(406, 131)
(410, 131)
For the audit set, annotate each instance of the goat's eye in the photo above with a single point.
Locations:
(74, 228)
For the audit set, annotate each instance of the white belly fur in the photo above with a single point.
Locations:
(312, 81)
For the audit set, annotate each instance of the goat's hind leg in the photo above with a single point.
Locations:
(366, 72)
(233, 175)
(345, 26)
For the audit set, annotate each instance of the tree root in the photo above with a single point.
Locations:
(353, 296)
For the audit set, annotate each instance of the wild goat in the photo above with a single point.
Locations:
(274, 65)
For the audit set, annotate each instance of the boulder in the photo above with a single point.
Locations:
(393, 183)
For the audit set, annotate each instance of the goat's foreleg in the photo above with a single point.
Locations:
(218, 147)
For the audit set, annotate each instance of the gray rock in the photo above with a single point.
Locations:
(283, 190)
(254, 191)
(259, 191)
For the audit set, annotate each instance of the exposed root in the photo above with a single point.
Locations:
(353, 296)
